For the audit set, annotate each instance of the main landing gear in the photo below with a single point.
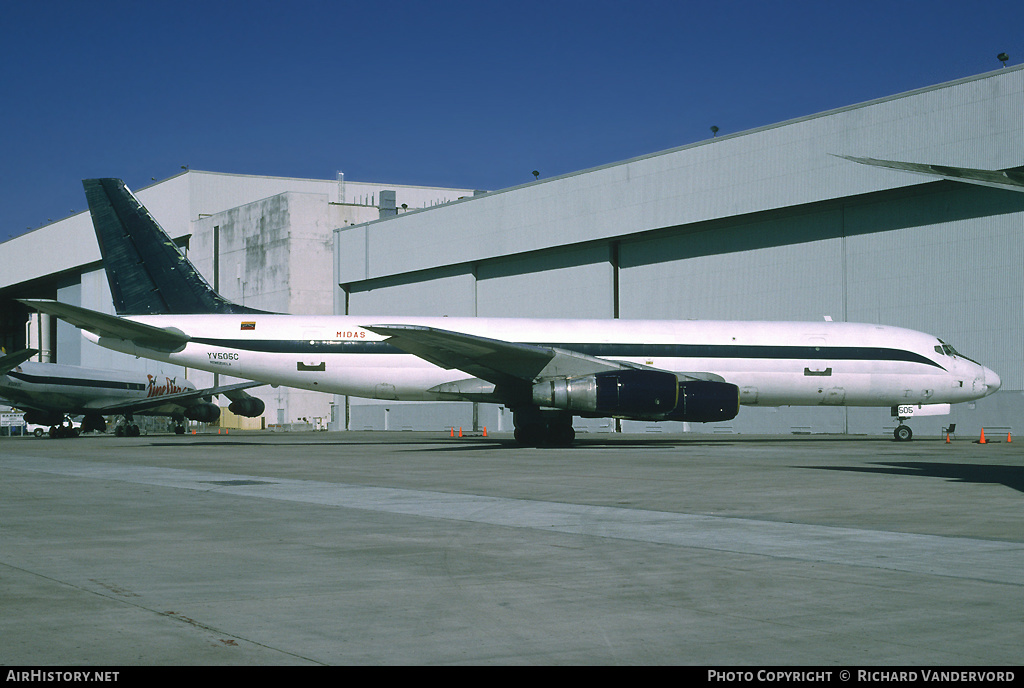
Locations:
(127, 428)
(64, 429)
(536, 427)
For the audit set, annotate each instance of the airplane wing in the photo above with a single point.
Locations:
(101, 324)
(1000, 179)
(12, 361)
(506, 364)
(181, 399)
(494, 360)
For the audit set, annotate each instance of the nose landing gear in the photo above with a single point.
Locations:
(903, 433)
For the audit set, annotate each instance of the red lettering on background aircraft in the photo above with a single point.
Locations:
(155, 390)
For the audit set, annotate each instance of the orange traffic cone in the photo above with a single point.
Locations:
(947, 438)
(1008, 439)
(460, 432)
(982, 440)
(453, 432)
(485, 432)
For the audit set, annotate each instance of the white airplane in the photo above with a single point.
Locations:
(50, 393)
(546, 371)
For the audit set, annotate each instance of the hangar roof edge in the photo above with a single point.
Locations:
(746, 132)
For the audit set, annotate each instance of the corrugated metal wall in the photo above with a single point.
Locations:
(764, 225)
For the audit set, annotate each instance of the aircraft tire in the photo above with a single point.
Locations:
(903, 433)
(530, 435)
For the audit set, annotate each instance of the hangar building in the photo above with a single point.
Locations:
(767, 224)
(261, 241)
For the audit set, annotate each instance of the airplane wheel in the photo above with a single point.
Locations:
(530, 435)
(119, 431)
(38, 432)
(903, 434)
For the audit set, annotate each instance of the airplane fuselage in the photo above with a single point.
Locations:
(75, 390)
(772, 363)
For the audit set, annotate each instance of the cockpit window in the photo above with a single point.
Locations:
(948, 350)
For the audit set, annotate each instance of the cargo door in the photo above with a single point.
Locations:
(310, 353)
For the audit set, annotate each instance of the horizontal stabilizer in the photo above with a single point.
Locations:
(1000, 179)
(168, 339)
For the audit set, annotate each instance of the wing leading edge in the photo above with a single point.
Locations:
(497, 361)
(179, 399)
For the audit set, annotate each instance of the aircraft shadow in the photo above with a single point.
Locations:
(980, 474)
(505, 440)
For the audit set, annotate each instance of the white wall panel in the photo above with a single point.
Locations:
(443, 292)
(780, 269)
(559, 284)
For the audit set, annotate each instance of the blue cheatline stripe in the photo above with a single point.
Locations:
(76, 382)
(802, 353)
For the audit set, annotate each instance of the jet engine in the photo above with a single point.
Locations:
(250, 407)
(706, 401)
(640, 394)
(205, 412)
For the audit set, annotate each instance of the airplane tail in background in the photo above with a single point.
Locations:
(9, 362)
(147, 273)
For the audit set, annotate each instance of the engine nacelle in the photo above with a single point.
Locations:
(613, 393)
(250, 407)
(706, 401)
(641, 394)
(205, 412)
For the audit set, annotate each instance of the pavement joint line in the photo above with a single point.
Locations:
(995, 561)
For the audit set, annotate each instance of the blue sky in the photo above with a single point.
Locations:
(447, 93)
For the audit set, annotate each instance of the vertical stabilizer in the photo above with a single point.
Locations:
(147, 273)
(11, 361)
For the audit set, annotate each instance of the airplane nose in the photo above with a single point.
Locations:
(992, 381)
